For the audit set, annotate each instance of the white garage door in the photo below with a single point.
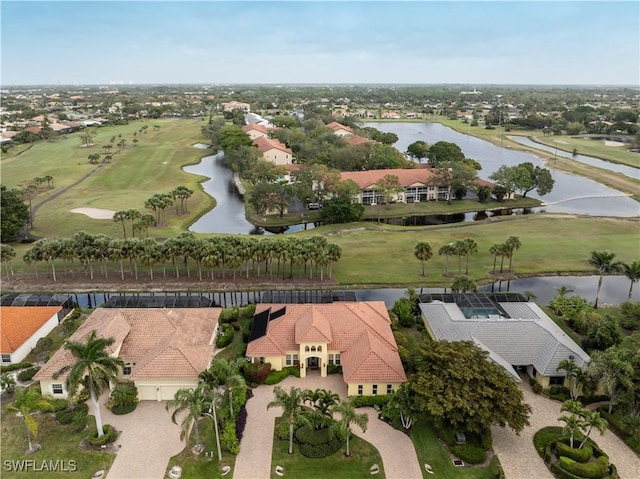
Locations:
(159, 392)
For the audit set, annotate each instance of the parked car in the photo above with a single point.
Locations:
(314, 206)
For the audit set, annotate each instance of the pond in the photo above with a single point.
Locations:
(571, 194)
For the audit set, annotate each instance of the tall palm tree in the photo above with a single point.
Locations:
(227, 373)
(94, 368)
(593, 420)
(572, 371)
(423, 252)
(447, 251)
(632, 272)
(463, 284)
(192, 402)
(7, 253)
(292, 404)
(26, 401)
(495, 251)
(611, 368)
(604, 263)
(460, 250)
(513, 244)
(572, 424)
(470, 247)
(564, 290)
(348, 416)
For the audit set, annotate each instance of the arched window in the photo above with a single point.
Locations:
(319, 349)
(306, 349)
(313, 348)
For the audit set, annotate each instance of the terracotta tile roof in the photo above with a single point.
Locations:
(19, 323)
(34, 129)
(335, 126)
(407, 177)
(256, 127)
(160, 343)
(358, 140)
(265, 144)
(361, 331)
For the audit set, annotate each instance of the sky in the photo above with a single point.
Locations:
(319, 42)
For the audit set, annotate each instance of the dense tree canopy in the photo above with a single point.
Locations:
(524, 178)
(459, 387)
(14, 214)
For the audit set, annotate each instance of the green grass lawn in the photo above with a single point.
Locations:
(59, 443)
(550, 244)
(134, 174)
(198, 467)
(58, 335)
(431, 451)
(363, 456)
(595, 148)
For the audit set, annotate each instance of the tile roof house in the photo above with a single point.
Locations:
(236, 105)
(354, 335)
(273, 150)
(357, 140)
(517, 334)
(163, 349)
(22, 326)
(338, 129)
(255, 130)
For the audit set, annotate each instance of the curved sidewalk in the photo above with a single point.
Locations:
(254, 460)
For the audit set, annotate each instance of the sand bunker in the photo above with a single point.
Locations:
(613, 143)
(95, 213)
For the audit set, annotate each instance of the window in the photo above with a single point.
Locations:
(374, 390)
(296, 360)
(261, 359)
(360, 389)
(306, 349)
(389, 388)
(313, 349)
(6, 358)
(126, 370)
(319, 349)
(556, 381)
(330, 359)
(56, 388)
(337, 359)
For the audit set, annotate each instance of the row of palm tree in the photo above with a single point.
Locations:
(464, 248)
(605, 263)
(229, 254)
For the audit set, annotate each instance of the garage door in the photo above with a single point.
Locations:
(159, 392)
(147, 393)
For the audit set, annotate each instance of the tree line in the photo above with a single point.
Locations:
(208, 258)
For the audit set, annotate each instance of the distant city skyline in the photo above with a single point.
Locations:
(273, 42)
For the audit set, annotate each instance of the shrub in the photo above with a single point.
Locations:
(77, 415)
(578, 455)
(334, 369)
(14, 367)
(318, 443)
(64, 416)
(124, 408)
(275, 377)
(44, 344)
(241, 422)
(59, 404)
(544, 436)
(226, 337)
(371, 401)
(110, 435)
(124, 394)
(403, 308)
(28, 374)
(469, 453)
(537, 388)
(229, 315)
(256, 373)
(559, 393)
(228, 440)
(630, 315)
(591, 470)
(569, 307)
(282, 431)
(81, 397)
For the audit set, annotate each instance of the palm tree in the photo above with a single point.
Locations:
(513, 244)
(611, 368)
(632, 272)
(7, 253)
(423, 252)
(632, 422)
(460, 250)
(192, 402)
(604, 263)
(94, 368)
(563, 290)
(121, 216)
(132, 215)
(292, 406)
(228, 373)
(495, 250)
(463, 284)
(25, 402)
(348, 416)
(404, 403)
(470, 247)
(572, 371)
(572, 424)
(446, 251)
(7, 383)
(593, 420)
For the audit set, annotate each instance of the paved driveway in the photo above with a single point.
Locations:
(254, 461)
(147, 441)
(519, 457)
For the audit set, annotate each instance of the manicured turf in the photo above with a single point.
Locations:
(59, 443)
(596, 148)
(431, 451)
(134, 174)
(363, 456)
(550, 244)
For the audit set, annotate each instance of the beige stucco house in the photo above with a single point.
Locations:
(255, 130)
(22, 326)
(273, 150)
(163, 349)
(339, 129)
(236, 105)
(354, 335)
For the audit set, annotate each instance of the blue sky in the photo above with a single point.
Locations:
(474, 42)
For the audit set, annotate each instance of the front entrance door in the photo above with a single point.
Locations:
(312, 362)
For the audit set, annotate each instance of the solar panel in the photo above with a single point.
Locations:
(277, 314)
(259, 325)
(169, 302)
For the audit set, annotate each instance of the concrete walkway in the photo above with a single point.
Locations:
(254, 460)
(147, 441)
(520, 459)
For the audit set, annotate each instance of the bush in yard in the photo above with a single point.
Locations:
(228, 440)
(559, 393)
(44, 344)
(58, 404)
(275, 377)
(110, 435)
(630, 315)
(403, 309)
(591, 470)
(256, 373)
(370, 401)
(241, 423)
(578, 455)
(469, 453)
(27, 374)
(334, 369)
(316, 443)
(226, 337)
(123, 399)
(14, 367)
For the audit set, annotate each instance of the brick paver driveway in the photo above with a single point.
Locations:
(147, 441)
(519, 457)
(254, 461)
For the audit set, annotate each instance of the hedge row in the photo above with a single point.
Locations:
(469, 453)
(591, 470)
(124, 409)
(13, 367)
(68, 416)
(370, 401)
(226, 337)
(578, 455)
(317, 444)
(228, 439)
(27, 374)
(110, 435)
(275, 377)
